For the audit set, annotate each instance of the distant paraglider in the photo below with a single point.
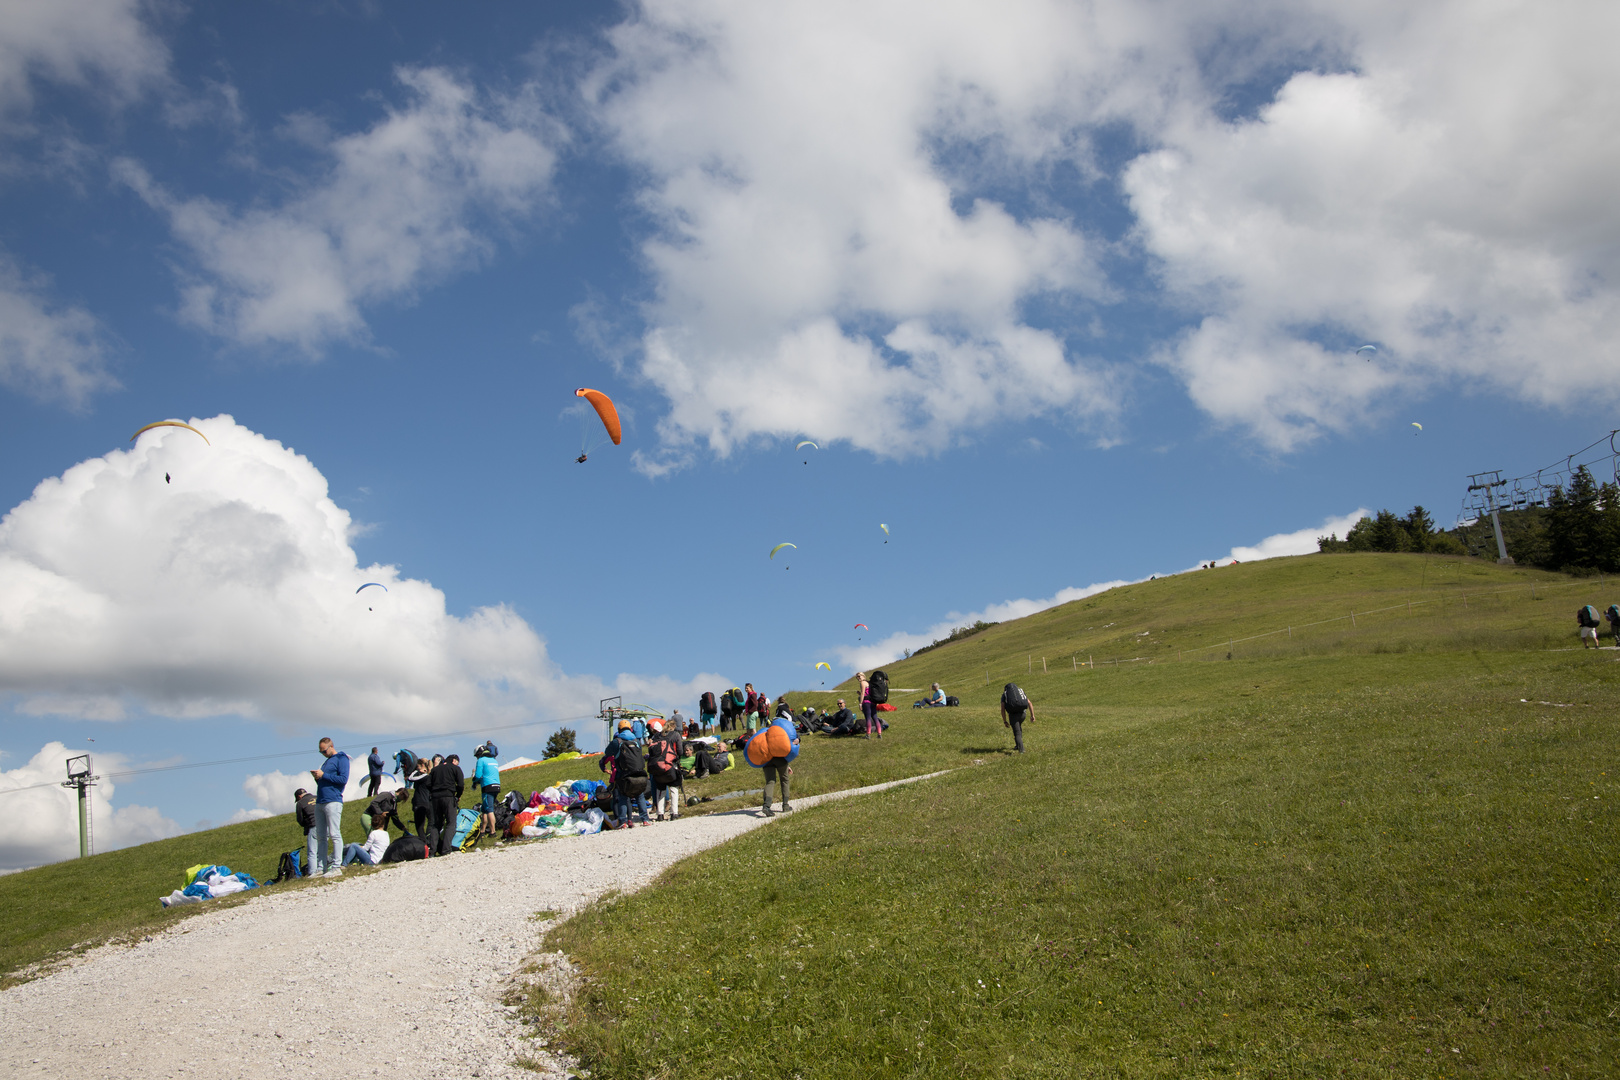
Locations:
(1368, 350)
(605, 410)
(371, 585)
(170, 423)
(885, 529)
(780, 546)
(1417, 425)
(862, 626)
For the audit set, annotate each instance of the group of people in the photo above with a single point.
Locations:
(431, 787)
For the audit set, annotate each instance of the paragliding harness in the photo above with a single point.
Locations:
(1587, 616)
(407, 849)
(469, 830)
(1014, 698)
(707, 705)
(511, 805)
(291, 865)
(405, 761)
(1613, 615)
(665, 764)
(630, 769)
(879, 684)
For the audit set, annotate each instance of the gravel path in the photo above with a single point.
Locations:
(317, 980)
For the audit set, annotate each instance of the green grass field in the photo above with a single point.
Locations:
(1356, 854)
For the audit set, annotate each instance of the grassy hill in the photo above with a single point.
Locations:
(1345, 851)
(1370, 851)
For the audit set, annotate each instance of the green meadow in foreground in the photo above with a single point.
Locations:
(1363, 859)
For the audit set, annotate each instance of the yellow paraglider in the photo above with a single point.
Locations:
(824, 664)
(604, 408)
(1417, 425)
(170, 423)
(806, 443)
(885, 529)
(782, 545)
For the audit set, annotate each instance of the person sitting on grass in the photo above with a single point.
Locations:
(842, 722)
(936, 700)
(371, 852)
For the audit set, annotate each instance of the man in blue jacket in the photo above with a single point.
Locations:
(330, 780)
(374, 768)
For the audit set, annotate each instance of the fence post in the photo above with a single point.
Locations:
(1290, 633)
(1043, 666)
(1092, 662)
(1076, 661)
(1029, 664)
(1352, 619)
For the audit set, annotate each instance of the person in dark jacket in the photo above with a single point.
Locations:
(445, 785)
(304, 814)
(841, 722)
(619, 778)
(422, 803)
(386, 805)
(374, 769)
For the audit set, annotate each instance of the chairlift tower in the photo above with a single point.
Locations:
(1485, 484)
(81, 776)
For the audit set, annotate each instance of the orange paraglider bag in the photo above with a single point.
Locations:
(771, 742)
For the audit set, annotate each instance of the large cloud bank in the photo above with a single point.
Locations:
(858, 208)
(231, 591)
(886, 650)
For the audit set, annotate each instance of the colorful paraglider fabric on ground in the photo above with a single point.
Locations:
(608, 415)
(1367, 350)
(170, 423)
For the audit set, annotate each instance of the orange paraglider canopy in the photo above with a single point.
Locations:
(604, 408)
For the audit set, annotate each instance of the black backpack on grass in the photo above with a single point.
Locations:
(952, 702)
(879, 683)
(291, 865)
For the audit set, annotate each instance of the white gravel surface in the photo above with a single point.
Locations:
(396, 971)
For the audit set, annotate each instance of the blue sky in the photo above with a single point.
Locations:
(1068, 295)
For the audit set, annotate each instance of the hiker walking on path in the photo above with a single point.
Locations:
(445, 785)
(776, 772)
(330, 780)
(374, 770)
(1613, 615)
(487, 775)
(1586, 618)
(1014, 704)
(304, 813)
(664, 769)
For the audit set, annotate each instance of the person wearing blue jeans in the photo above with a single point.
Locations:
(369, 853)
(330, 780)
(621, 777)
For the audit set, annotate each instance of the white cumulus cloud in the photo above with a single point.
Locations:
(48, 351)
(231, 591)
(42, 824)
(102, 44)
(399, 207)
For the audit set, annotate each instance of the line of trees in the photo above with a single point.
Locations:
(1577, 532)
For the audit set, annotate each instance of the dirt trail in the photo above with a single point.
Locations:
(402, 969)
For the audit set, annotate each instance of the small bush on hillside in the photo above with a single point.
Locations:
(955, 635)
(562, 741)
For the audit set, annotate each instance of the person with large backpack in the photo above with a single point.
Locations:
(870, 701)
(626, 766)
(708, 711)
(1613, 615)
(1586, 617)
(664, 770)
(1014, 705)
(304, 814)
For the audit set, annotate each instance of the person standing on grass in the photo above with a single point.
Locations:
(1014, 705)
(750, 707)
(487, 775)
(445, 785)
(777, 771)
(304, 813)
(422, 803)
(374, 771)
(330, 780)
(868, 706)
(369, 853)
(626, 766)
(1613, 615)
(664, 769)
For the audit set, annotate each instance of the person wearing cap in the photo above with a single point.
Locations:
(487, 775)
(445, 785)
(304, 814)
